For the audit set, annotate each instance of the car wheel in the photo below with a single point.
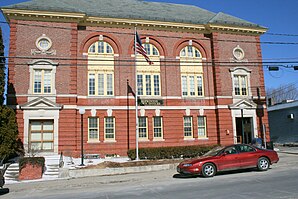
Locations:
(263, 164)
(208, 170)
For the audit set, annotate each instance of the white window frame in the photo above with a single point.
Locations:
(105, 83)
(157, 127)
(143, 127)
(93, 128)
(241, 71)
(188, 87)
(191, 127)
(143, 86)
(43, 65)
(238, 79)
(42, 140)
(113, 128)
(204, 127)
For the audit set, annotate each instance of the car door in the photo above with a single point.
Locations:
(247, 156)
(229, 159)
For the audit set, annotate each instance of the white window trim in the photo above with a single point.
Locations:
(105, 73)
(158, 138)
(195, 85)
(42, 65)
(143, 138)
(241, 71)
(152, 83)
(188, 137)
(109, 139)
(205, 128)
(97, 139)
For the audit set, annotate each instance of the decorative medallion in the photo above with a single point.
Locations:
(43, 45)
(238, 53)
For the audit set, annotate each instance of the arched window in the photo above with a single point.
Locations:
(148, 76)
(191, 72)
(100, 69)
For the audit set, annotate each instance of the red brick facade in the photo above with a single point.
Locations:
(71, 42)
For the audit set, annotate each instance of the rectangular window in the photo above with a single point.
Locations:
(148, 84)
(240, 85)
(109, 128)
(187, 124)
(140, 84)
(202, 127)
(93, 129)
(101, 88)
(157, 127)
(192, 85)
(41, 135)
(101, 84)
(42, 81)
(143, 128)
(91, 84)
(156, 84)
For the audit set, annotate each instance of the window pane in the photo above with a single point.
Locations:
(47, 136)
(92, 49)
(142, 127)
(200, 85)
(93, 127)
(93, 122)
(37, 81)
(48, 126)
(148, 84)
(187, 126)
(190, 53)
(243, 85)
(109, 128)
(47, 146)
(156, 84)
(140, 84)
(155, 51)
(109, 48)
(35, 126)
(184, 85)
(109, 84)
(192, 85)
(100, 47)
(100, 84)
(236, 85)
(197, 53)
(147, 48)
(47, 81)
(202, 126)
(36, 136)
(91, 84)
(157, 124)
(183, 53)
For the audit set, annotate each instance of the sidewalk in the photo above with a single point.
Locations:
(287, 149)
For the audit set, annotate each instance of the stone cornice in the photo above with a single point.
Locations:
(83, 20)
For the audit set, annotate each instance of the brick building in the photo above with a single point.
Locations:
(71, 55)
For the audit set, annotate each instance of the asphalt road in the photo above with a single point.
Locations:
(281, 181)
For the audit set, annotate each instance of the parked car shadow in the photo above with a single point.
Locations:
(4, 191)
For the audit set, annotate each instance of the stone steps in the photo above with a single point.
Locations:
(12, 172)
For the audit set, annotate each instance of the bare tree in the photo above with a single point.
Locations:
(282, 93)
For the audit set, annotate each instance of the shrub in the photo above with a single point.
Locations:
(169, 152)
(40, 161)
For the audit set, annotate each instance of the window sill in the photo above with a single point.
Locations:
(143, 140)
(109, 141)
(189, 139)
(158, 140)
(93, 141)
(203, 138)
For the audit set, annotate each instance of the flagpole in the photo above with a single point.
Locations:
(136, 100)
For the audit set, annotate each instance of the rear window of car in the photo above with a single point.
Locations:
(245, 148)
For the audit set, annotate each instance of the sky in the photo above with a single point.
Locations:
(279, 16)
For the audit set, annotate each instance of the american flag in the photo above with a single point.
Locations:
(141, 50)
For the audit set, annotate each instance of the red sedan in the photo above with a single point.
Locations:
(238, 156)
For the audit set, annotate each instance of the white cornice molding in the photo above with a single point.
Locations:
(82, 19)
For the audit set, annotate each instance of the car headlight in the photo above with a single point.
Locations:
(187, 165)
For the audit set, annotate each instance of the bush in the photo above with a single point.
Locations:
(169, 152)
(40, 161)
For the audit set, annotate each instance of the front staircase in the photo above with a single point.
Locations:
(51, 166)
(12, 172)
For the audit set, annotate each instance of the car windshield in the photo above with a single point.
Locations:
(214, 151)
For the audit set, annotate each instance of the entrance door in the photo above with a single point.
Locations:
(247, 128)
(41, 135)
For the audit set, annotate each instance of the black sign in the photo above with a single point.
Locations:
(150, 102)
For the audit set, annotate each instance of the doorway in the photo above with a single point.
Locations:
(247, 128)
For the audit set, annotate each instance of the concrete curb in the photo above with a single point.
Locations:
(78, 173)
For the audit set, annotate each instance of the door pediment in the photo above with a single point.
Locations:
(244, 104)
(41, 103)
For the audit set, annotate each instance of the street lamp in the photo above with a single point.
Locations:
(242, 126)
(82, 112)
